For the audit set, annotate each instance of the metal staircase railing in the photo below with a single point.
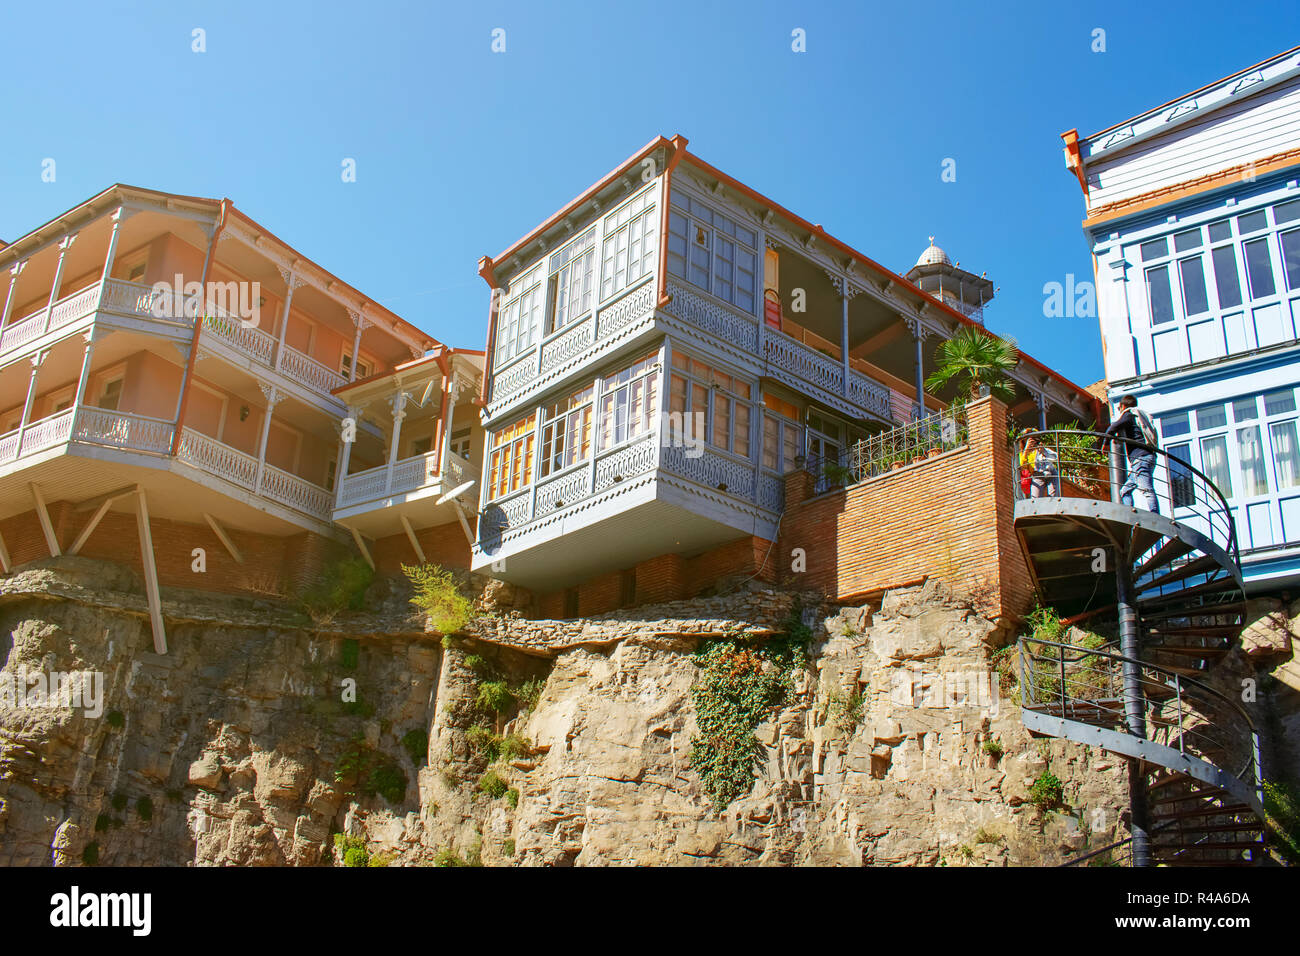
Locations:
(1172, 573)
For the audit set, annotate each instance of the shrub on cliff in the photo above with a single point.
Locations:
(340, 587)
(436, 594)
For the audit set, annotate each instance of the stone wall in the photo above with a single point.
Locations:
(240, 742)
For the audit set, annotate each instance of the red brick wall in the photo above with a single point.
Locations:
(668, 577)
(948, 518)
(272, 565)
(443, 545)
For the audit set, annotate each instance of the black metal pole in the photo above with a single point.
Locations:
(1130, 643)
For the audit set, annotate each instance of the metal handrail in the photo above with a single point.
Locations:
(1061, 686)
(1080, 456)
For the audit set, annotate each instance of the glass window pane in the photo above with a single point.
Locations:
(1259, 268)
(1191, 239)
(1195, 298)
(1225, 277)
(1286, 455)
(1283, 400)
(1154, 249)
(1252, 221)
(1286, 212)
(1250, 452)
(1214, 462)
(1174, 425)
(1160, 296)
(1211, 416)
(1220, 230)
(1291, 257)
(1182, 488)
(1245, 410)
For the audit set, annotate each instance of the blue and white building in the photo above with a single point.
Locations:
(1193, 218)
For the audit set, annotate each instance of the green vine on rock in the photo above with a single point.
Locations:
(739, 686)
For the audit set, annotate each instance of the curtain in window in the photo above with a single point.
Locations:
(1286, 455)
(1214, 459)
(1250, 450)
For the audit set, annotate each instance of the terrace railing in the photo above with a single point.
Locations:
(891, 450)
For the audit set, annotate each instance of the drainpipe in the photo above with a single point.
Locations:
(487, 269)
(679, 150)
(184, 400)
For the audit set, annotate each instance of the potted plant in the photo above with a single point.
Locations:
(837, 475)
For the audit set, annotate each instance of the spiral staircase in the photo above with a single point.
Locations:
(1172, 583)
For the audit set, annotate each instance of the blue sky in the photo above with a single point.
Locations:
(460, 150)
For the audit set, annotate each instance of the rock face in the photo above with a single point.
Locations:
(254, 740)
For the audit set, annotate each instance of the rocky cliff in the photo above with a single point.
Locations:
(262, 736)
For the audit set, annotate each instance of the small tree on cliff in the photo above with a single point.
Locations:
(436, 594)
(972, 359)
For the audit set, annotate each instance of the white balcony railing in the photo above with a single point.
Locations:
(297, 493)
(133, 299)
(239, 468)
(93, 426)
(409, 474)
(68, 309)
(249, 341)
(123, 430)
(306, 370)
(216, 458)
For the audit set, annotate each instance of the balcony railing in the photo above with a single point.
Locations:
(409, 474)
(260, 346)
(240, 468)
(66, 310)
(891, 450)
(93, 426)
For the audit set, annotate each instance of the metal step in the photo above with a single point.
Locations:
(1201, 565)
(1171, 550)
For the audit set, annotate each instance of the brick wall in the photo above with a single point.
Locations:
(948, 517)
(668, 577)
(272, 565)
(443, 545)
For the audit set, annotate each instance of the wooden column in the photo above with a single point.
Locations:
(118, 217)
(345, 456)
(292, 282)
(273, 397)
(89, 338)
(360, 322)
(36, 361)
(399, 412)
(64, 245)
(14, 272)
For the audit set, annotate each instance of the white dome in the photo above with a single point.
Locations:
(933, 255)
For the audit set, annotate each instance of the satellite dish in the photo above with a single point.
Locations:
(457, 491)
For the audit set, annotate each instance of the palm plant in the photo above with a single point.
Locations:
(974, 359)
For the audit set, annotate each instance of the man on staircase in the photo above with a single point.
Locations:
(1135, 429)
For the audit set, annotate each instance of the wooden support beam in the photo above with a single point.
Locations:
(880, 339)
(410, 536)
(460, 513)
(150, 572)
(223, 537)
(89, 529)
(361, 546)
(44, 515)
(92, 504)
(5, 564)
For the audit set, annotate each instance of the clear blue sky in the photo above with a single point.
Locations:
(460, 151)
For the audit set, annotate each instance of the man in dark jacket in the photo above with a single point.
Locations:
(1141, 460)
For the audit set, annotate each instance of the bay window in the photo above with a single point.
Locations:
(566, 431)
(628, 251)
(572, 278)
(510, 461)
(519, 318)
(629, 401)
(714, 398)
(714, 252)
